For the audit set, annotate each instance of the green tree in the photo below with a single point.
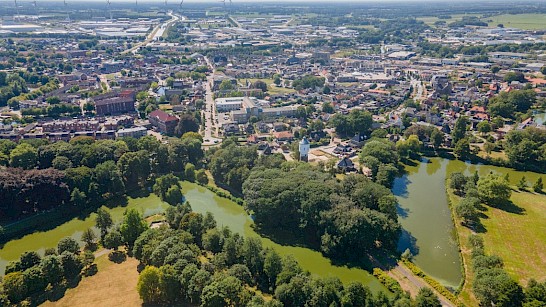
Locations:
(409, 147)
(28, 260)
(78, 197)
(24, 156)
(69, 245)
(272, 265)
(462, 149)
(522, 184)
(327, 107)
(15, 287)
(163, 183)
(459, 130)
(201, 177)
(174, 195)
(103, 221)
(355, 295)
(493, 189)
(427, 298)
(149, 285)
(189, 172)
(113, 240)
(538, 186)
(52, 269)
(466, 210)
(89, 237)
(436, 138)
(132, 226)
(484, 127)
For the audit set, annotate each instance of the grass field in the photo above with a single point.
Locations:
(271, 87)
(113, 285)
(430, 20)
(521, 21)
(519, 239)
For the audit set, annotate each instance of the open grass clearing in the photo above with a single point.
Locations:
(113, 285)
(271, 87)
(519, 239)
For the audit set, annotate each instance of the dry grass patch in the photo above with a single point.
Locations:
(113, 285)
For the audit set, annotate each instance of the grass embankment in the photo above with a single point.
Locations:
(113, 285)
(517, 237)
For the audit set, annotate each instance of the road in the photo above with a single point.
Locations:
(156, 32)
(420, 92)
(210, 136)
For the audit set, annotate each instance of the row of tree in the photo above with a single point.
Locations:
(194, 262)
(33, 277)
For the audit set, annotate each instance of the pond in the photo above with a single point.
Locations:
(41, 240)
(226, 212)
(426, 218)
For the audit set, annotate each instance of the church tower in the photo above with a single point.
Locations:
(304, 147)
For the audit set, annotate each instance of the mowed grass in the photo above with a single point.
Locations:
(271, 87)
(519, 239)
(113, 285)
(520, 21)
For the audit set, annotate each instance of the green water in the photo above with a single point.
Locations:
(426, 218)
(39, 241)
(226, 212)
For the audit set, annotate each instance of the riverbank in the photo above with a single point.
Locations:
(517, 237)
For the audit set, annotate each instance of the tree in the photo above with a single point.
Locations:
(493, 189)
(466, 210)
(163, 183)
(132, 226)
(78, 197)
(14, 287)
(538, 186)
(72, 265)
(69, 245)
(201, 177)
(24, 156)
(457, 181)
(327, 108)
(223, 292)
(187, 123)
(259, 84)
(484, 127)
(459, 130)
(355, 294)
(409, 147)
(61, 163)
(514, 76)
(113, 240)
(148, 285)
(272, 265)
(52, 269)
(174, 195)
(462, 149)
(522, 183)
(436, 138)
(89, 237)
(427, 298)
(103, 221)
(326, 90)
(189, 172)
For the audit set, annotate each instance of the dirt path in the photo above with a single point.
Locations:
(409, 282)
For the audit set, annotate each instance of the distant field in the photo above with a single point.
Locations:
(430, 20)
(113, 285)
(521, 21)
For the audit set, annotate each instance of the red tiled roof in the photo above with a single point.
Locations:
(162, 116)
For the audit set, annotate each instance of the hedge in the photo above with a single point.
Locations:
(387, 281)
(432, 282)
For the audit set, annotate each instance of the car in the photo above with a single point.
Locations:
(215, 141)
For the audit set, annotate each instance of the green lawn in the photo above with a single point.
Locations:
(271, 87)
(521, 21)
(519, 239)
